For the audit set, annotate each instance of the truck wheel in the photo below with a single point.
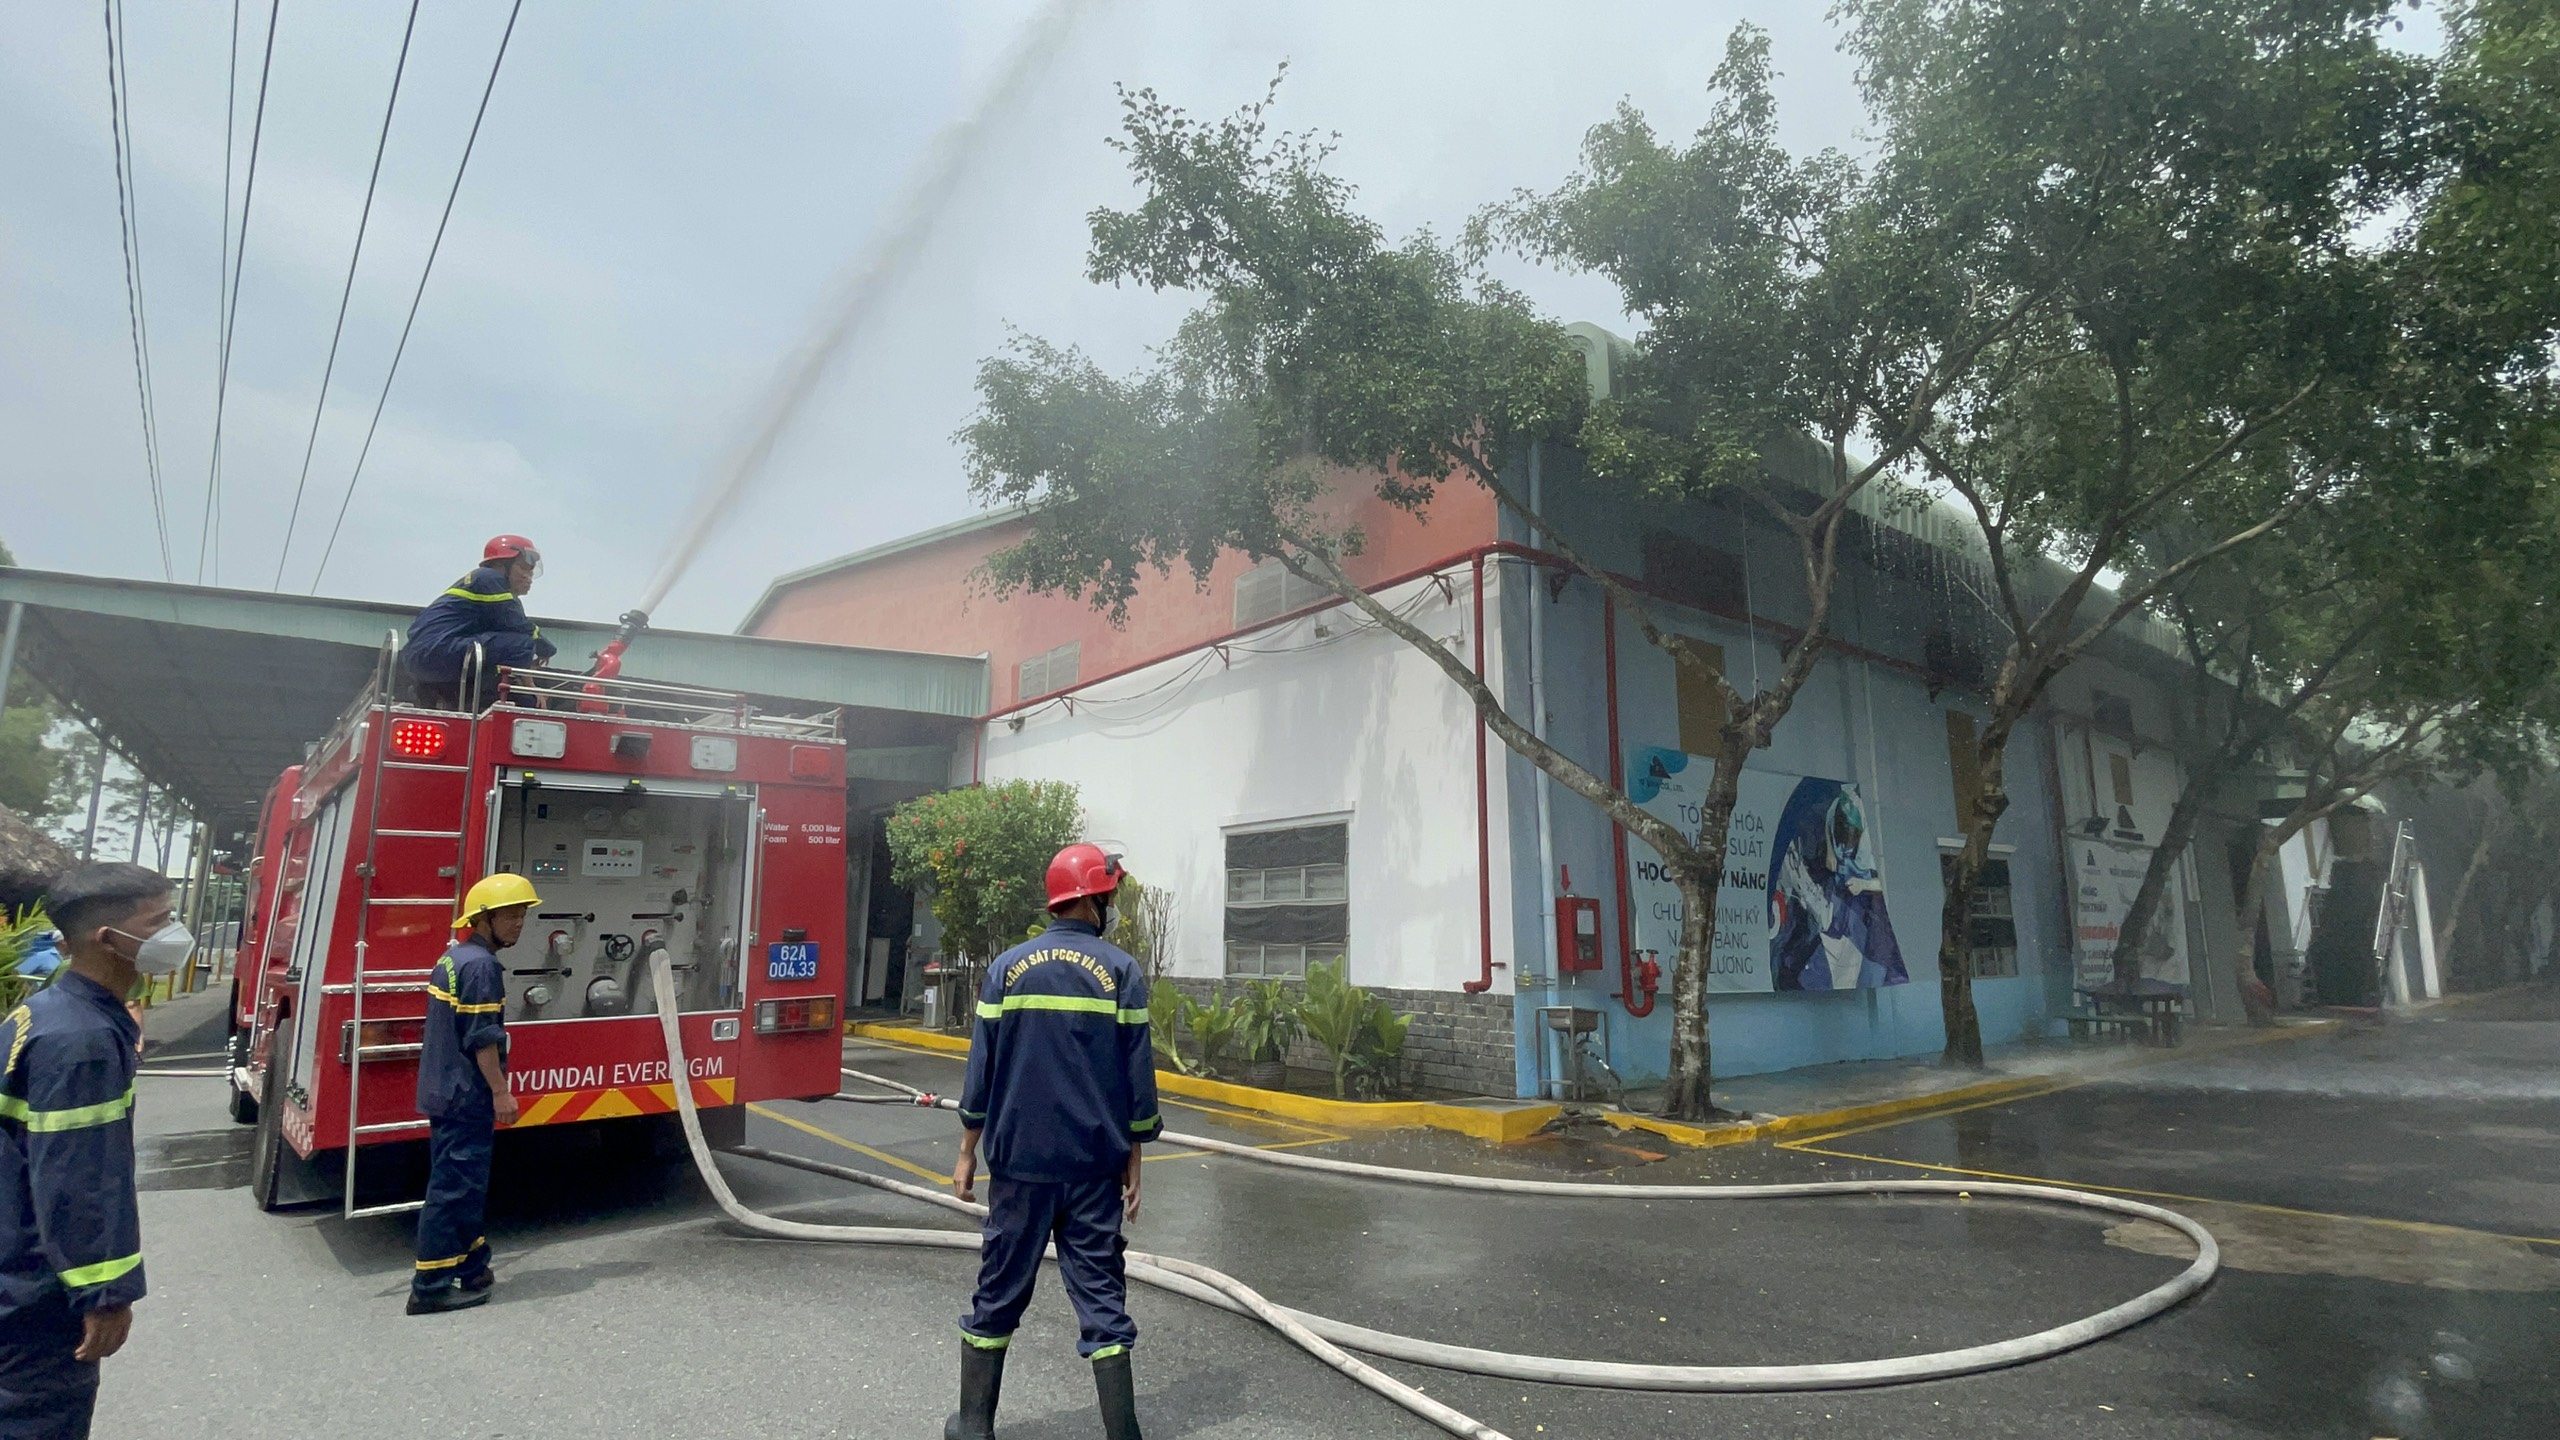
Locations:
(266, 1157)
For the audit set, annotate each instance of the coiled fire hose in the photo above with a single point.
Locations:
(1327, 1339)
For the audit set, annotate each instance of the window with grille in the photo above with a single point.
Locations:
(1288, 898)
(1268, 591)
(1992, 927)
(1050, 671)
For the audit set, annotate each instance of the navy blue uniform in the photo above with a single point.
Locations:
(1061, 1087)
(70, 1223)
(466, 993)
(477, 607)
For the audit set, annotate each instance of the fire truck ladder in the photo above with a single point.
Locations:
(405, 773)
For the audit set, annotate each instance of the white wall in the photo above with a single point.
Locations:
(1291, 724)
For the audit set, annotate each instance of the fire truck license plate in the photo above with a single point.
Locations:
(791, 960)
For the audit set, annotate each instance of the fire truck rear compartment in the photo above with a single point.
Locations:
(623, 870)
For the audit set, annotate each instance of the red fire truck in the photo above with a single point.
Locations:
(648, 816)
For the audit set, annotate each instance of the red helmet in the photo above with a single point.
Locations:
(502, 548)
(1080, 871)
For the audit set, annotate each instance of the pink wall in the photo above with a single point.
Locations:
(925, 600)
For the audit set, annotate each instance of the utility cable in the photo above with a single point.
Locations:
(129, 233)
(1328, 1339)
(231, 309)
(364, 218)
(428, 269)
(222, 268)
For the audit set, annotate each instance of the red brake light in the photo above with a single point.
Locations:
(417, 739)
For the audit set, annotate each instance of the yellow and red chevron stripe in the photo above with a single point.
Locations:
(563, 1107)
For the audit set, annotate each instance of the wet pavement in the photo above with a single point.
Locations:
(2370, 1185)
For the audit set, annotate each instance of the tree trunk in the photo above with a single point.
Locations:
(1685, 1096)
(1955, 916)
(2462, 891)
(2155, 877)
(2255, 997)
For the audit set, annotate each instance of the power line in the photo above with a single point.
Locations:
(320, 406)
(222, 272)
(129, 232)
(231, 306)
(428, 269)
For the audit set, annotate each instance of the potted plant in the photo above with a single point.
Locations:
(1266, 1026)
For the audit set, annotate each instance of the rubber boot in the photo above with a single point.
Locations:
(981, 1380)
(1114, 1387)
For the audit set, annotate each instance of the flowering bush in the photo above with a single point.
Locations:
(982, 854)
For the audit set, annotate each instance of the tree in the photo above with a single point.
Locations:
(2404, 635)
(1320, 347)
(32, 780)
(983, 853)
(2183, 193)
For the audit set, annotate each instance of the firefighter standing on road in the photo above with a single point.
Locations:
(1062, 1086)
(462, 1090)
(70, 1223)
(484, 607)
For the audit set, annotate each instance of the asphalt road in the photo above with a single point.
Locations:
(2383, 1194)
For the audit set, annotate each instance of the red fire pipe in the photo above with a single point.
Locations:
(1627, 992)
(1484, 821)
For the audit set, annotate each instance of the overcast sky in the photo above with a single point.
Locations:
(661, 202)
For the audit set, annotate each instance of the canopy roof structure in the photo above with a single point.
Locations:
(213, 692)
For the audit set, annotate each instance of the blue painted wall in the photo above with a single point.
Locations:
(1870, 721)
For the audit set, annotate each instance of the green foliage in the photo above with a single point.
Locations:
(1212, 1026)
(34, 775)
(1364, 1037)
(1267, 1020)
(16, 938)
(982, 853)
(1318, 344)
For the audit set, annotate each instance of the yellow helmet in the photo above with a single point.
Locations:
(495, 892)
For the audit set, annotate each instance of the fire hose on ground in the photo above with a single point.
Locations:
(1331, 1340)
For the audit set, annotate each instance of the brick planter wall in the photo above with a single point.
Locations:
(1457, 1041)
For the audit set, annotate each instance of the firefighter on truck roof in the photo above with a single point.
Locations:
(1062, 1087)
(486, 607)
(462, 1090)
(70, 1222)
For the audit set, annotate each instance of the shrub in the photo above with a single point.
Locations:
(1364, 1037)
(1267, 1020)
(982, 854)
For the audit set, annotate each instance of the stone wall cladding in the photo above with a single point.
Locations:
(1457, 1041)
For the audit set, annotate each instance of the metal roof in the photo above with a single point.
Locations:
(966, 525)
(213, 692)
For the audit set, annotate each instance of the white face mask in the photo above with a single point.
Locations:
(167, 948)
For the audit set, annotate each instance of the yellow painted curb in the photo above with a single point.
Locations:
(1500, 1124)
(1518, 1122)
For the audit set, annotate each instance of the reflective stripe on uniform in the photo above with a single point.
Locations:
(78, 1117)
(459, 1008)
(100, 1273)
(1087, 1004)
(1107, 1351)
(1147, 1126)
(458, 593)
(448, 1262)
(1134, 1017)
(985, 1342)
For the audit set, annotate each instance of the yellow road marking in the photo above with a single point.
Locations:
(2423, 1227)
(855, 1146)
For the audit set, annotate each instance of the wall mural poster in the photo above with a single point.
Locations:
(1802, 906)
